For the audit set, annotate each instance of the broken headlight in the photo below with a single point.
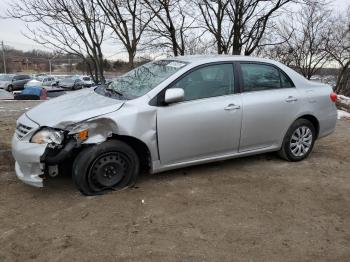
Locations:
(48, 136)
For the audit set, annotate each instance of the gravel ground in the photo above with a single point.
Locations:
(257, 208)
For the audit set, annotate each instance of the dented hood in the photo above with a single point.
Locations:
(73, 108)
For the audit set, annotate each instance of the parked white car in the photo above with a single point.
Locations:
(87, 81)
(42, 81)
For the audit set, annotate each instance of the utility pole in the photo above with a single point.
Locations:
(27, 63)
(50, 62)
(3, 55)
(50, 67)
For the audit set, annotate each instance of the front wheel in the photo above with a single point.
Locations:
(299, 141)
(10, 88)
(104, 167)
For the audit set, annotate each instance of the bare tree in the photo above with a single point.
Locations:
(215, 18)
(70, 26)
(128, 20)
(238, 26)
(305, 37)
(172, 24)
(339, 50)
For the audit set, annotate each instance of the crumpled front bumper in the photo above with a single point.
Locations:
(28, 167)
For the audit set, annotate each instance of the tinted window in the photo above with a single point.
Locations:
(209, 81)
(285, 81)
(258, 77)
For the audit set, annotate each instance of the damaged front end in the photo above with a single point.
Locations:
(43, 151)
(39, 151)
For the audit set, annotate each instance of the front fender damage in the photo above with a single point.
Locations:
(98, 131)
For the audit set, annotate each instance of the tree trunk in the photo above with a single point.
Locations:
(343, 84)
(131, 64)
(173, 41)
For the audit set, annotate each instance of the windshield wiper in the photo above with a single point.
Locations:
(112, 90)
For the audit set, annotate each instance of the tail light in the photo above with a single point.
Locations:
(333, 97)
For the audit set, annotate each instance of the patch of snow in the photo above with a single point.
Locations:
(344, 99)
(343, 114)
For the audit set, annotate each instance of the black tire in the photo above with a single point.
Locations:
(10, 88)
(289, 141)
(104, 167)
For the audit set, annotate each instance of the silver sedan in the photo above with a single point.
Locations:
(169, 114)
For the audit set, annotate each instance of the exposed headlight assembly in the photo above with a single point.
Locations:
(48, 136)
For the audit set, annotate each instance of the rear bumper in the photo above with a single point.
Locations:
(328, 123)
(28, 167)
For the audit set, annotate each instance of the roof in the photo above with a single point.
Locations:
(213, 58)
(195, 60)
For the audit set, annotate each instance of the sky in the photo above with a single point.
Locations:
(11, 32)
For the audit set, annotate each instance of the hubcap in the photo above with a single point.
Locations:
(108, 170)
(301, 141)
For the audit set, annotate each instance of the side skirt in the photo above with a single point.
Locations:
(157, 167)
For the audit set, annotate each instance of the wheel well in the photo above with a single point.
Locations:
(314, 122)
(140, 149)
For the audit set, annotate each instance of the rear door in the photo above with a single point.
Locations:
(270, 104)
(207, 123)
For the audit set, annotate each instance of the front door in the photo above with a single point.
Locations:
(207, 123)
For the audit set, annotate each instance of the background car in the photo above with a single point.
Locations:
(5, 95)
(43, 81)
(72, 83)
(87, 81)
(14, 82)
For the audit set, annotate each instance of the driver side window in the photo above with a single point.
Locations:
(209, 81)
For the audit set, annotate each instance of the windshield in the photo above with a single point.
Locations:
(141, 80)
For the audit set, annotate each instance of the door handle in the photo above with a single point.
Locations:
(232, 107)
(291, 99)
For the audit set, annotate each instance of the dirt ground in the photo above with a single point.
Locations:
(257, 208)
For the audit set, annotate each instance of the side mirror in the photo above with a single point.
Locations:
(173, 95)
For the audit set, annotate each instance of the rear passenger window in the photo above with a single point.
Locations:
(257, 77)
(208, 81)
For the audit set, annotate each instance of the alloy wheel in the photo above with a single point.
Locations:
(301, 141)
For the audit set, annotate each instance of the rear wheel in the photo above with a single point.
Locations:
(10, 88)
(299, 141)
(105, 167)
